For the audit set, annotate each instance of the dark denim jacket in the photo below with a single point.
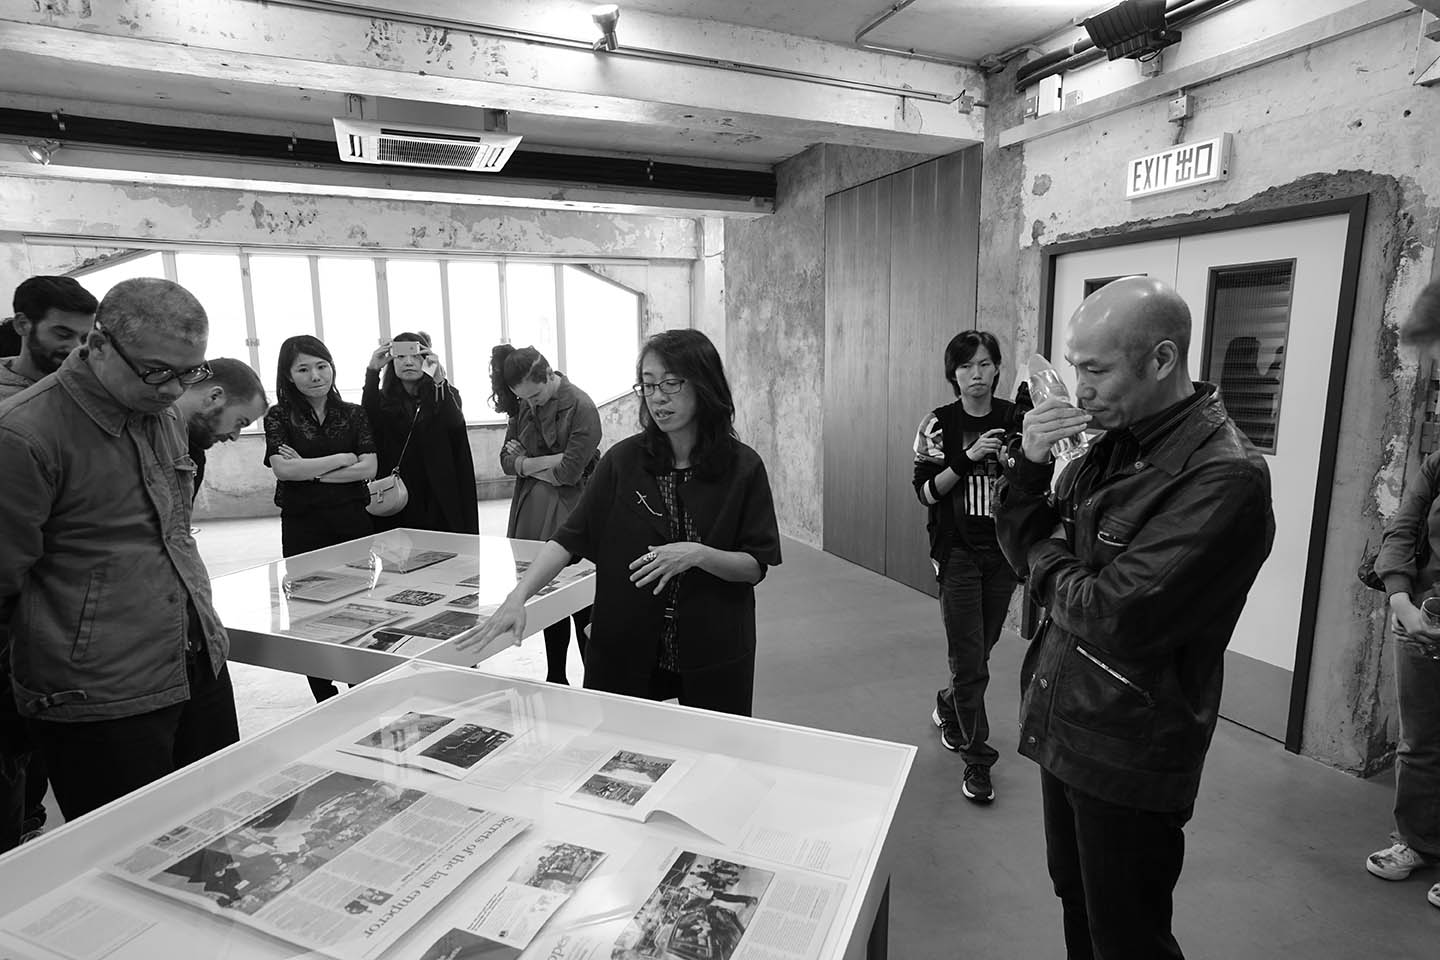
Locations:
(98, 571)
(1122, 681)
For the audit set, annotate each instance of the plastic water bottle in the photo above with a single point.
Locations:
(1045, 384)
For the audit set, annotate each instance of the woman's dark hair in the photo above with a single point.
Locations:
(391, 389)
(288, 395)
(962, 347)
(508, 368)
(689, 355)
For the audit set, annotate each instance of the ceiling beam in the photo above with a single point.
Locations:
(246, 42)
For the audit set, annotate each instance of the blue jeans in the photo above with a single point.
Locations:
(1417, 755)
(1114, 869)
(975, 590)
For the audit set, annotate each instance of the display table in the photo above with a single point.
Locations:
(354, 610)
(438, 812)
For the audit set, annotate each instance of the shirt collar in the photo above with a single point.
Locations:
(84, 387)
(1150, 431)
(1168, 438)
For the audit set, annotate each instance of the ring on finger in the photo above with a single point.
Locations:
(650, 557)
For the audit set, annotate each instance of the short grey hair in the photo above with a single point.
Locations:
(150, 303)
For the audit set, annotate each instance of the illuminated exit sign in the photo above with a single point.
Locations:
(1185, 165)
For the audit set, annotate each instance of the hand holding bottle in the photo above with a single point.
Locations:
(1056, 425)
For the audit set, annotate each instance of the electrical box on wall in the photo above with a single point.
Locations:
(1044, 98)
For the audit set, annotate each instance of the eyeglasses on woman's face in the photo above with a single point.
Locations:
(155, 376)
(669, 386)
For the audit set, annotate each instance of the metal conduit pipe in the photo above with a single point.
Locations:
(1084, 51)
(910, 52)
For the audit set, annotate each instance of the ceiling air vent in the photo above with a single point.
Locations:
(414, 145)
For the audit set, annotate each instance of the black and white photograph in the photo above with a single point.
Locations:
(699, 911)
(464, 945)
(443, 625)
(324, 586)
(468, 601)
(343, 624)
(402, 734)
(271, 852)
(557, 866)
(415, 598)
(471, 581)
(407, 563)
(466, 745)
(626, 777)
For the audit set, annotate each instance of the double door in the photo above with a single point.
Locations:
(1265, 304)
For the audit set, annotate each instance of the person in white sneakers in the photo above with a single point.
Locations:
(1409, 564)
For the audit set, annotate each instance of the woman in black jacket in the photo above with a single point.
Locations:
(418, 425)
(680, 524)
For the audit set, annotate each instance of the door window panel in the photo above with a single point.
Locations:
(602, 333)
(350, 317)
(1249, 313)
(284, 307)
(214, 279)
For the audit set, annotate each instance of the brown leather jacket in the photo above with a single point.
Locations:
(1122, 681)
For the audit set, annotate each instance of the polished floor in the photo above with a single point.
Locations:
(1275, 852)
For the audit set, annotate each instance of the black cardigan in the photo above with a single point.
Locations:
(613, 526)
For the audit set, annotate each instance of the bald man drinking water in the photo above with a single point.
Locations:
(1142, 558)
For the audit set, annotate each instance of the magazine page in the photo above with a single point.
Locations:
(506, 916)
(718, 796)
(452, 741)
(324, 586)
(339, 863)
(343, 624)
(710, 906)
(629, 783)
(400, 561)
(436, 629)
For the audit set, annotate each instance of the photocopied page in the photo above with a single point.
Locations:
(80, 928)
(451, 741)
(344, 624)
(325, 586)
(629, 783)
(327, 860)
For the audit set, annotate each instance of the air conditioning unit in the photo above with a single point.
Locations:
(423, 145)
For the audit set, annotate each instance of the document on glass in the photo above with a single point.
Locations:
(452, 741)
(509, 914)
(344, 624)
(832, 855)
(326, 860)
(399, 561)
(81, 928)
(324, 586)
(629, 783)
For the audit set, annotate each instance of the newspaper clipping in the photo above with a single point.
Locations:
(330, 861)
(513, 912)
(452, 742)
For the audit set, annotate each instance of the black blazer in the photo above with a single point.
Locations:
(622, 515)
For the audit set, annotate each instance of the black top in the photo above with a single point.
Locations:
(622, 515)
(197, 453)
(346, 430)
(438, 468)
(964, 517)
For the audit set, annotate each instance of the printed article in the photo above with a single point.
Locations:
(344, 624)
(452, 742)
(512, 912)
(399, 561)
(330, 861)
(324, 586)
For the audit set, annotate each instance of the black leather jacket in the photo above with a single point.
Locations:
(1122, 681)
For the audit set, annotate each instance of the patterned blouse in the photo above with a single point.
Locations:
(682, 530)
(346, 429)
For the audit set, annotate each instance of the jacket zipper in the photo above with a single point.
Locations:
(1149, 700)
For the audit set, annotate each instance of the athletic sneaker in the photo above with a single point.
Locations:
(1434, 895)
(976, 786)
(1396, 862)
(949, 731)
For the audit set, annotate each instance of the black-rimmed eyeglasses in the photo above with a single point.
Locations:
(155, 376)
(669, 386)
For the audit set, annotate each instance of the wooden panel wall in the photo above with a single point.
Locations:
(857, 306)
(934, 243)
(900, 281)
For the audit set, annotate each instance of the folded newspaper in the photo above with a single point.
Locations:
(330, 861)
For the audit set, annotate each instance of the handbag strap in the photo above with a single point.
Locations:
(401, 459)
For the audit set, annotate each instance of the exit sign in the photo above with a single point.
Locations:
(1185, 165)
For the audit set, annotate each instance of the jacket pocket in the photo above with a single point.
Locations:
(185, 469)
(1112, 537)
(1093, 694)
(94, 595)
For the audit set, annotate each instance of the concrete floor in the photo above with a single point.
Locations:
(1275, 851)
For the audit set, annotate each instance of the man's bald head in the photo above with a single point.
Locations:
(1128, 343)
(1136, 314)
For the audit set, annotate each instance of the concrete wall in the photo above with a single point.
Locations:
(1301, 135)
(774, 290)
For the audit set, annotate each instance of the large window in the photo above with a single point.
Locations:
(588, 326)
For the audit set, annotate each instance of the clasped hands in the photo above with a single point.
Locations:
(663, 563)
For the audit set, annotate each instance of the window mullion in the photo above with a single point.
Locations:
(168, 259)
(247, 293)
(504, 289)
(316, 299)
(560, 360)
(382, 298)
(445, 320)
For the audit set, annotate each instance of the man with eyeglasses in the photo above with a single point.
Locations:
(116, 655)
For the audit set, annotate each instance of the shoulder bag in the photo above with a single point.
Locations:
(388, 495)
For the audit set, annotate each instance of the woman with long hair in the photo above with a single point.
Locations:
(956, 468)
(419, 427)
(551, 447)
(680, 524)
(322, 454)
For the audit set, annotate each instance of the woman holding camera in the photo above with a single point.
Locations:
(322, 454)
(419, 428)
(679, 522)
(551, 447)
(956, 468)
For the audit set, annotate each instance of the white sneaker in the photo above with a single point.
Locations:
(1396, 862)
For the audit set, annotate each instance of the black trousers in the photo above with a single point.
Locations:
(975, 590)
(724, 688)
(313, 528)
(95, 761)
(557, 645)
(1114, 869)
